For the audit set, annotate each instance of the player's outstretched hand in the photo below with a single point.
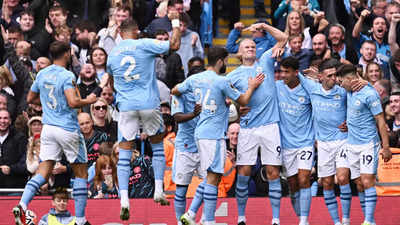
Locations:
(197, 109)
(104, 80)
(256, 81)
(92, 98)
(386, 154)
(343, 127)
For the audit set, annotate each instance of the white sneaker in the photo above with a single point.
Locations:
(160, 198)
(345, 221)
(187, 220)
(338, 223)
(275, 222)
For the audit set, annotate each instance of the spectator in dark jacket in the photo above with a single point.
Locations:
(13, 173)
(9, 13)
(164, 23)
(38, 37)
(22, 78)
(169, 68)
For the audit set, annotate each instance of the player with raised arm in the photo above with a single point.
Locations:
(364, 120)
(54, 90)
(211, 91)
(262, 118)
(131, 64)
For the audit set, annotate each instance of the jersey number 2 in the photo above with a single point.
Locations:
(132, 64)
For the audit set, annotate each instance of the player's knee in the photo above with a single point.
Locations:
(359, 184)
(304, 181)
(327, 183)
(272, 172)
(244, 170)
(368, 182)
(342, 179)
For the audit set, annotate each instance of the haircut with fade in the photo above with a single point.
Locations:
(347, 69)
(290, 62)
(293, 36)
(215, 54)
(60, 192)
(128, 25)
(58, 49)
(327, 64)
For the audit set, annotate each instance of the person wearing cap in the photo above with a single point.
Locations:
(35, 125)
(262, 117)
(263, 39)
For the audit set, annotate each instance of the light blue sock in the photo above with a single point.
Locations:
(124, 168)
(180, 200)
(210, 201)
(198, 197)
(275, 195)
(331, 203)
(158, 160)
(295, 200)
(242, 193)
(345, 200)
(370, 204)
(31, 188)
(80, 193)
(361, 196)
(305, 201)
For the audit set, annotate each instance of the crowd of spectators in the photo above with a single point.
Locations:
(359, 32)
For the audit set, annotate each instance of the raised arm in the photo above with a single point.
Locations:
(357, 28)
(175, 40)
(276, 33)
(392, 33)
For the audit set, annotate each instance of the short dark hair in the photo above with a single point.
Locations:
(173, 2)
(215, 54)
(346, 69)
(129, 25)
(85, 25)
(184, 17)
(124, 7)
(160, 32)
(58, 49)
(14, 29)
(60, 192)
(327, 64)
(58, 8)
(290, 62)
(27, 12)
(168, 120)
(369, 42)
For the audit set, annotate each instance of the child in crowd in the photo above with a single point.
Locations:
(59, 214)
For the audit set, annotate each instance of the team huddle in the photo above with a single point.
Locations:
(281, 120)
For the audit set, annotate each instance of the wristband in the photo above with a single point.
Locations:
(175, 23)
(97, 91)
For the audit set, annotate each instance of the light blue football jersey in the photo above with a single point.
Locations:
(50, 83)
(185, 140)
(131, 63)
(263, 103)
(329, 109)
(210, 91)
(296, 123)
(362, 106)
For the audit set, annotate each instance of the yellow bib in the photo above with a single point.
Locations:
(52, 220)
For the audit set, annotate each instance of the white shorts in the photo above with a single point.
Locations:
(331, 155)
(212, 155)
(184, 166)
(363, 159)
(55, 141)
(130, 122)
(267, 138)
(299, 158)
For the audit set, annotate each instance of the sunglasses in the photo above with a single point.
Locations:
(103, 107)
